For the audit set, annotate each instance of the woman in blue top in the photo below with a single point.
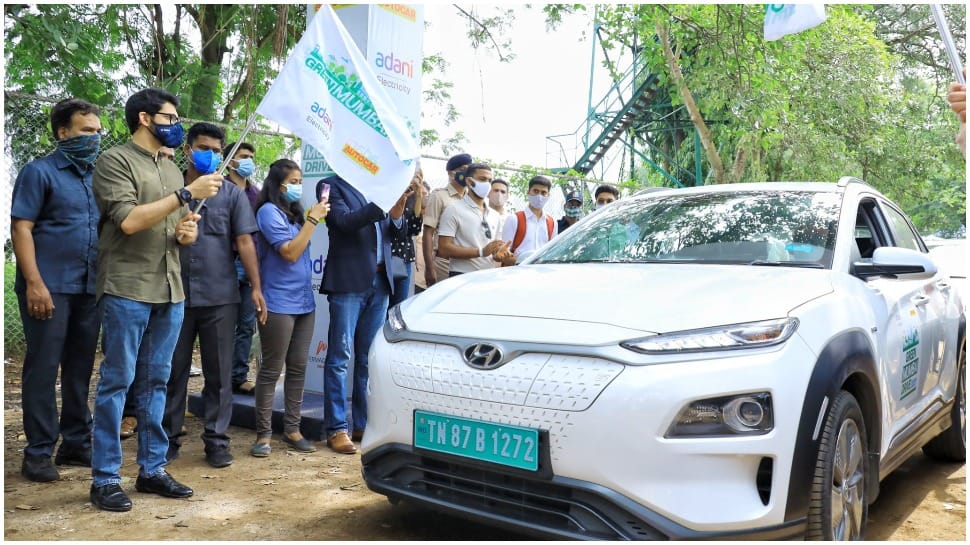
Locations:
(284, 261)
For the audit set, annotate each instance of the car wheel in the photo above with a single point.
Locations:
(837, 508)
(951, 445)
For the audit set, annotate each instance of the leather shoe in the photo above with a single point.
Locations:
(340, 443)
(260, 450)
(219, 457)
(128, 425)
(110, 497)
(246, 388)
(39, 469)
(357, 435)
(73, 457)
(300, 444)
(162, 484)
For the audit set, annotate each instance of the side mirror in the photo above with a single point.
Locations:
(896, 263)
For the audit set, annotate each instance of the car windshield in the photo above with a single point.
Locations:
(784, 228)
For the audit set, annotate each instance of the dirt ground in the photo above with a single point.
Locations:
(321, 496)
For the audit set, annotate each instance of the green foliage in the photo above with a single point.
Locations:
(13, 329)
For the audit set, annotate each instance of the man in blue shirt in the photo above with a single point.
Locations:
(54, 227)
(211, 299)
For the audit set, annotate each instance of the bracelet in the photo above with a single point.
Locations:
(480, 252)
(313, 220)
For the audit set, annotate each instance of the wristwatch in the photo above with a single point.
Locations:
(183, 195)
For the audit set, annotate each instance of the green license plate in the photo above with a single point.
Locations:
(498, 443)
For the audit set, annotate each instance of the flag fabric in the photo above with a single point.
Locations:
(328, 95)
(784, 19)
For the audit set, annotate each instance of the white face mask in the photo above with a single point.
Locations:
(603, 204)
(497, 199)
(538, 201)
(481, 189)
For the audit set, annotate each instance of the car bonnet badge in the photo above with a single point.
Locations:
(483, 356)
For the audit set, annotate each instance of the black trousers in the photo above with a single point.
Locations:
(68, 340)
(215, 327)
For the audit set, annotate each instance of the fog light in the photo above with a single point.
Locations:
(743, 414)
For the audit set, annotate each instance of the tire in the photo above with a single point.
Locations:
(951, 445)
(838, 505)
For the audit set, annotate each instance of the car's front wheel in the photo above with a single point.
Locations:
(837, 506)
(951, 445)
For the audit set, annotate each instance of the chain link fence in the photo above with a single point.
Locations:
(28, 136)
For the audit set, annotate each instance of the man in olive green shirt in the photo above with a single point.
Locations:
(139, 289)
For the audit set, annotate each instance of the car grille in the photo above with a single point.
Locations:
(551, 508)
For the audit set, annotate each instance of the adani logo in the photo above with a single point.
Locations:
(393, 64)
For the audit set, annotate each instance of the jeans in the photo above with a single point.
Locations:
(355, 318)
(138, 340)
(402, 286)
(285, 339)
(245, 326)
(213, 325)
(68, 340)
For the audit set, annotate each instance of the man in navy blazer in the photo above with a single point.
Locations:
(358, 281)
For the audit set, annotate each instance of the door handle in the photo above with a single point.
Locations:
(920, 300)
(943, 285)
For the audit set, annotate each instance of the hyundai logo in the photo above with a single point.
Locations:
(483, 356)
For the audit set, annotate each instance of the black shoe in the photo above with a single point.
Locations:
(219, 457)
(73, 457)
(110, 497)
(172, 454)
(39, 469)
(162, 484)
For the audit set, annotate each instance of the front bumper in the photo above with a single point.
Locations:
(556, 508)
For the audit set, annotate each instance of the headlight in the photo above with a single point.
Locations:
(394, 325)
(743, 414)
(729, 337)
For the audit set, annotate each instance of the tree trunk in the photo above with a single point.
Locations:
(717, 167)
(213, 21)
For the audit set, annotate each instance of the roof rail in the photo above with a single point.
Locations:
(846, 180)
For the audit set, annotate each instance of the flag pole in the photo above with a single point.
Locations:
(951, 49)
(225, 164)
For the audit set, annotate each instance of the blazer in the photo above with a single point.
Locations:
(352, 256)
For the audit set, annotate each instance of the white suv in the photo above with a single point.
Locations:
(738, 361)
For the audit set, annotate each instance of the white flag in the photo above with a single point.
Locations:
(784, 19)
(328, 95)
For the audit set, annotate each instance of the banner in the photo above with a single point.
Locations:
(328, 96)
(394, 50)
(784, 19)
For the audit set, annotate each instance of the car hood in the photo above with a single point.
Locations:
(602, 303)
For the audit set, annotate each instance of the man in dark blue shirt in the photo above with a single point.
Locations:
(54, 227)
(211, 299)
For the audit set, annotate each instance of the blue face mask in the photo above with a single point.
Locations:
(574, 211)
(293, 193)
(170, 135)
(246, 167)
(82, 149)
(206, 162)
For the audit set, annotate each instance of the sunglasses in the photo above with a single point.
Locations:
(488, 230)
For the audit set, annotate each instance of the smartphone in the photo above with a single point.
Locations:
(324, 192)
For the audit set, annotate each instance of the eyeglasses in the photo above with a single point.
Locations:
(488, 230)
(172, 118)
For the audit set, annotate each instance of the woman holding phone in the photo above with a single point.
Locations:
(402, 250)
(284, 261)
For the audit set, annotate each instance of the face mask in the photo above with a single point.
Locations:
(170, 135)
(82, 149)
(498, 199)
(481, 189)
(574, 212)
(460, 179)
(537, 201)
(293, 192)
(206, 162)
(601, 205)
(246, 167)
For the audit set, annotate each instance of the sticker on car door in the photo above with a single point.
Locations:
(911, 366)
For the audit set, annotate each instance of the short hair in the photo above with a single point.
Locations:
(500, 181)
(245, 145)
(541, 180)
(149, 101)
(205, 129)
(63, 111)
(476, 166)
(606, 188)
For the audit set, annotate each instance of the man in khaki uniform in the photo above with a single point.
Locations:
(439, 200)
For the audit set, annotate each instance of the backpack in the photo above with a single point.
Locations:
(520, 229)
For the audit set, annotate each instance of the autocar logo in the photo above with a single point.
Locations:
(483, 356)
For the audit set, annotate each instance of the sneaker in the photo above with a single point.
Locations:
(340, 443)
(39, 469)
(128, 425)
(260, 450)
(219, 457)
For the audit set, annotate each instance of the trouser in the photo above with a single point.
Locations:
(245, 326)
(214, 326)
(67, 340)
(285, 339)
(401, 286)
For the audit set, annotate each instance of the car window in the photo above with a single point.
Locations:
(779, 227)
(903, 233)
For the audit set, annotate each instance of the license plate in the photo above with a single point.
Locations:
(498, 443)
